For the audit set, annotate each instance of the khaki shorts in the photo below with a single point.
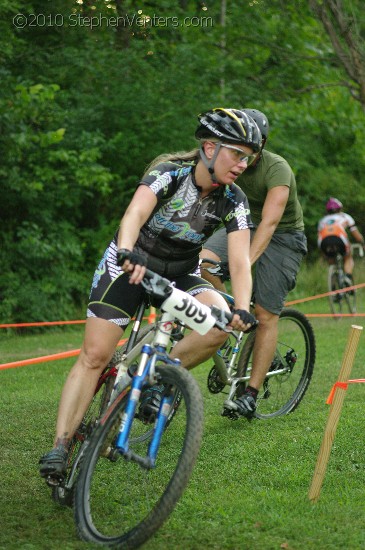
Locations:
(275, 272)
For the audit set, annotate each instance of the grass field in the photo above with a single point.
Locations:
(249, 490)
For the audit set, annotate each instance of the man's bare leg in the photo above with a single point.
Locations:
(263, 353)
(348, 264)
(265, 345)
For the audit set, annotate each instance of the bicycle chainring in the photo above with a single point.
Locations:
(214, 382)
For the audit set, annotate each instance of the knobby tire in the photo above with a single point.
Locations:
(63, 494)
(119, 503)
(282, 393)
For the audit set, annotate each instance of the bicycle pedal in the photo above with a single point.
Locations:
(111, 453)
(228, 413)
(55, 480)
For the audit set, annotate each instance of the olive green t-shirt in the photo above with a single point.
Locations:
(272, 171)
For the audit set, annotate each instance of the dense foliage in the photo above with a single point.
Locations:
(92, 91)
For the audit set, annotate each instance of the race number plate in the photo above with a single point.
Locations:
(186, 308)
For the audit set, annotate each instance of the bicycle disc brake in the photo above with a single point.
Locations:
(214, 383)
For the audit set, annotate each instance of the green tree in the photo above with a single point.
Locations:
(88, 100)
(343, 22)
(43, 187)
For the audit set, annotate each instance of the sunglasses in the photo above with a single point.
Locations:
(240, 155)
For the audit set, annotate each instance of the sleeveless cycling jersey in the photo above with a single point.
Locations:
(335, 225)
(182, 221)
(171, 239)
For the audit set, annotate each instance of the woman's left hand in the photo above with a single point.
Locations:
(243, 320)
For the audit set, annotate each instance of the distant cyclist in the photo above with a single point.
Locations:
(333, 237)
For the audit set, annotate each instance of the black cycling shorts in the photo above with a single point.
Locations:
(114, 299)
(333, 245)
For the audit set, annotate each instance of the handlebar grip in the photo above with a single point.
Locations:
(223, 317)
(252, 327)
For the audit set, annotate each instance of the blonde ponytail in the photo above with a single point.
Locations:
(186, 156)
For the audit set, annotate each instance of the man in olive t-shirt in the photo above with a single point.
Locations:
(278, 245)
(272, 171)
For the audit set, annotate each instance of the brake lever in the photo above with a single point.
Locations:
(156, 285)
(223, 318)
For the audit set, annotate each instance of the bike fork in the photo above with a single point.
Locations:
(122, 442)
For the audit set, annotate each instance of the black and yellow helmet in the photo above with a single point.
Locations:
(229, 126)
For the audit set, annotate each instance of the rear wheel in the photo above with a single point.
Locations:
(291, 369)
(335, 283)
(338, 301)
(121, 502)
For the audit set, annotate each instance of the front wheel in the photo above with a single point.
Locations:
(118, 501)
(63, 493)
(291, 369)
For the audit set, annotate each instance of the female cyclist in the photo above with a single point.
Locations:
(333, 236)
(178, 204)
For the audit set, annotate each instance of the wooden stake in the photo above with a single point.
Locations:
(334, 413)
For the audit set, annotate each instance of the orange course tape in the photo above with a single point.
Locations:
(343, 386)
(152, 314)
(40, 324)
(45, 323)
(301, 300)
(45, 358)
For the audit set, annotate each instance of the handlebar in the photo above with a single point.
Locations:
(359, 247)
(185, 307)
(219, 269)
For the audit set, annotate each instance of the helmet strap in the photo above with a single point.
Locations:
(210, 163)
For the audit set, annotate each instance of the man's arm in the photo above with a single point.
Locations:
(240, 268)
(272, 212)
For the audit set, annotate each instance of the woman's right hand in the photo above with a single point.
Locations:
(132, 263)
